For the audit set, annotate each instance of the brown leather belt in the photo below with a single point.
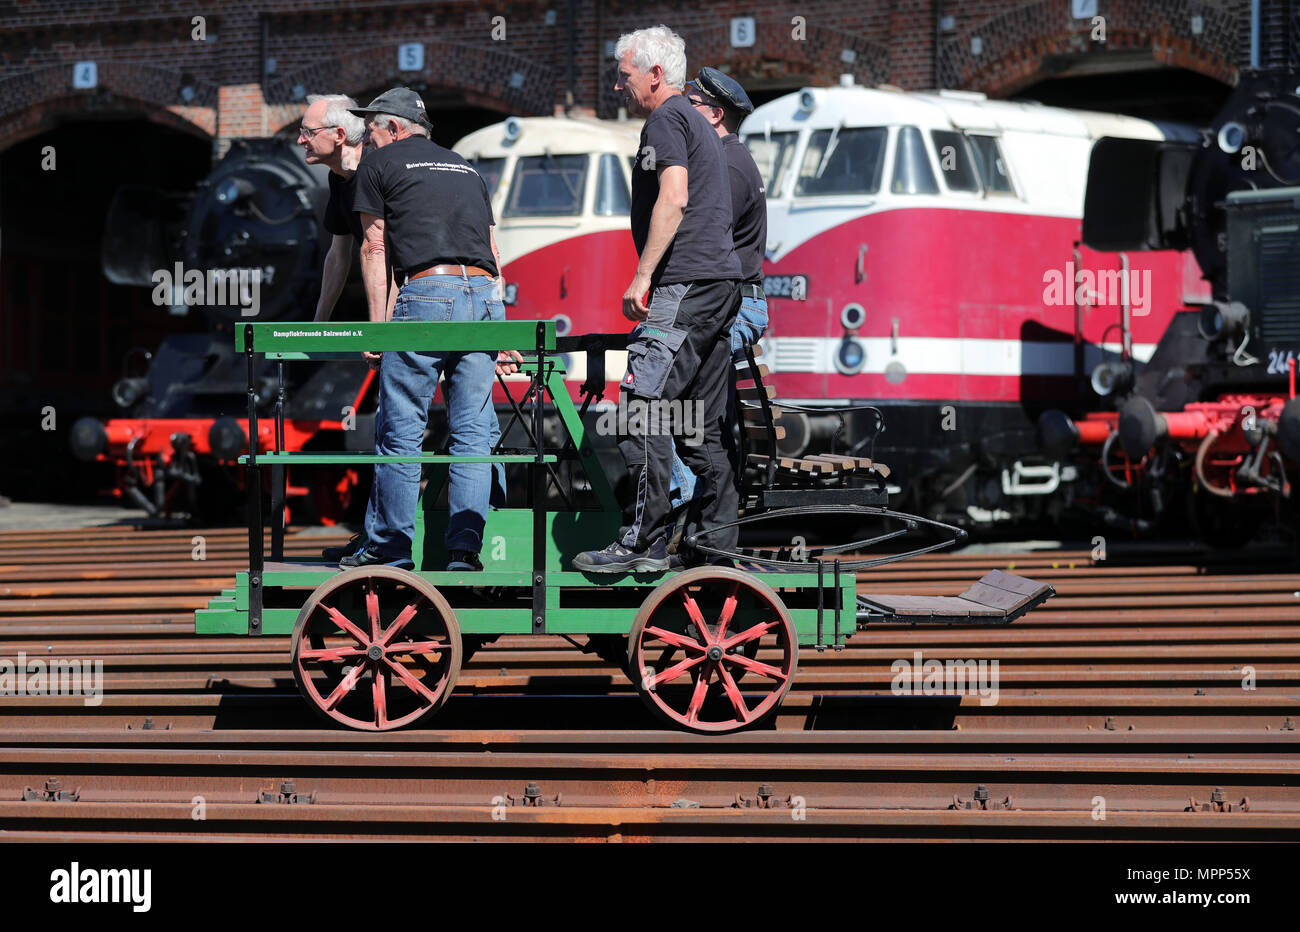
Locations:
(462, 270)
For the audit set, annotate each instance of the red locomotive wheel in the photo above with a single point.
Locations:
(698, 634)
(376, 648)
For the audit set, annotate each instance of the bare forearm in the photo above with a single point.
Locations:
(379, 296)
(337, 263)
(664, 221)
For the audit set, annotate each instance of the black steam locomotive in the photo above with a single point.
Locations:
(1212, 419)
(246, 245)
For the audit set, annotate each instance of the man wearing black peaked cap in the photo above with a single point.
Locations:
(724, 103)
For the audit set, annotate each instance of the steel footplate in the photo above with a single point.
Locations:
(998, 598)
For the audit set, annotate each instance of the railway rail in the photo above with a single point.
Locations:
(1155, 698)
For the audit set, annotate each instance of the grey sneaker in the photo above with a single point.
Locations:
(619, 559)
(368, 557)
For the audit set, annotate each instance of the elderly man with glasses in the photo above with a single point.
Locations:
(332, 136)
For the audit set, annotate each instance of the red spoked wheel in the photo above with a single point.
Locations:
(698, 635)
(376, 648)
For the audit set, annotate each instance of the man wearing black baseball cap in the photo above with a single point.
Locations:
(426, 216)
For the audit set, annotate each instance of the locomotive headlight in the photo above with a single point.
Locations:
(233, 190)
(1219, 320)
(853, 316)
(513, 128)
(127, 392)
(1112, 377)
(1232, 136)
(807, 101)
(850, 357)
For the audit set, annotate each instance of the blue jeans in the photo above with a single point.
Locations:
(750, 325)
(407, 382)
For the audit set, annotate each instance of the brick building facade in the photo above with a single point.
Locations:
(241, 68)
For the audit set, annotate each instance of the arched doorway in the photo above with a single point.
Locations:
(65, 330)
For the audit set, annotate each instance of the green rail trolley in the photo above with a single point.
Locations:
(709, 649)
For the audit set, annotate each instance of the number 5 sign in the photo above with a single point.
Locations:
(410, 56)
(742, 32)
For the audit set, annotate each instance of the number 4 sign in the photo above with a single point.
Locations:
(85, 74)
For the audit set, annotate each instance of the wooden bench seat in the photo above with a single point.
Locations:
(760, 414)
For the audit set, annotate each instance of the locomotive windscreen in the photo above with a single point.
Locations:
(1135, 192)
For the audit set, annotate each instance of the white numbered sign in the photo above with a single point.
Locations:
(742, 32)
(410, 56)
(85, 74)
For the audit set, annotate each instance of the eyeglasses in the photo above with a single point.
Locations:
(305, 130)
(696, 102)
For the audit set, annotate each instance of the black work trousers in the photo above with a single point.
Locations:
(678, 376)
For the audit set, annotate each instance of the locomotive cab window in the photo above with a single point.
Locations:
(912, 171)
(772, 154)
(955, 163)
(842, 161)
(991, 165)
(611, 188)
(491, 170)
(547, 186)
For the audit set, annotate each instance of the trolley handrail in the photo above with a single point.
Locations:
(302, 339)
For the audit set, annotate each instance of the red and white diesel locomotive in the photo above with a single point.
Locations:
(923, 256)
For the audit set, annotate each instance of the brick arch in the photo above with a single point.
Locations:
(33, 102)
(486, 76)
(1017, 44)
(818, 57)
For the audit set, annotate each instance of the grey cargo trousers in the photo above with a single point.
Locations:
(681, 355)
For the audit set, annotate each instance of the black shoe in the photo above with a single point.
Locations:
(368, 557)
(334, 554)
(463, 561)
(619, 559)
(692, 558)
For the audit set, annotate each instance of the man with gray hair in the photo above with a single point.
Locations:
(680, 350)
(332, 136)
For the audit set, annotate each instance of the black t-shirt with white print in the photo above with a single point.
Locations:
(675, 133)
(435, 206)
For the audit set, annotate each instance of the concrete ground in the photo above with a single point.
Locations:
(29, 516)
